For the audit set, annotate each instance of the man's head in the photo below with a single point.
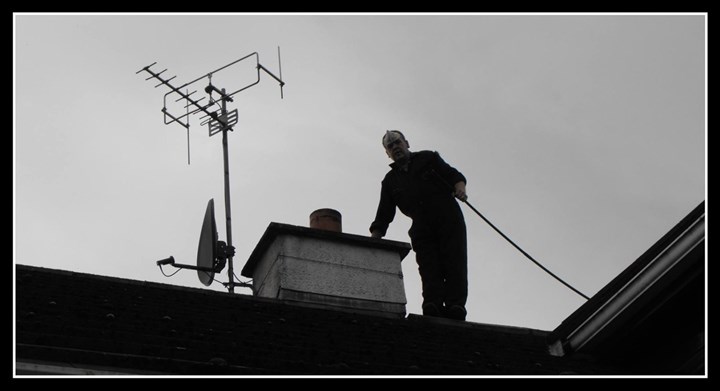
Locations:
(396, 146)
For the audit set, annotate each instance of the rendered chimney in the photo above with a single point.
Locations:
(323, 267)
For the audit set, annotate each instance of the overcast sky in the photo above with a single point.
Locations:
(583, 138)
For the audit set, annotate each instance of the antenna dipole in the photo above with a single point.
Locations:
(220, 120)
(280, 71)
(187, 131)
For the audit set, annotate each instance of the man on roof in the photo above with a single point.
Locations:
(424, 187)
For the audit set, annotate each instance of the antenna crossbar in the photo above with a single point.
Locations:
(196, 105)
(192, 102)
(182, 97)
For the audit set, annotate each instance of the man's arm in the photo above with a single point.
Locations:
(385, 214)
(450, 175)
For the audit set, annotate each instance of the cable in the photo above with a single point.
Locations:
(510, 241)
(248, 282)
(211, 277)
(163, 272)
(524, 253)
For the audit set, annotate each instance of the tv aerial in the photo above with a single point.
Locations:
(213, 254)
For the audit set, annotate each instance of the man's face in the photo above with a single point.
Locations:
(397, 148)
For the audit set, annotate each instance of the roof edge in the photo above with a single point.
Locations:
(592, 317)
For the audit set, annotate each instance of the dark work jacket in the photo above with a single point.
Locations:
(422, 193)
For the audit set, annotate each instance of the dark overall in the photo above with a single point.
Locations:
(424, 193)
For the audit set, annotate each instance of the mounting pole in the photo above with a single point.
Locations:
(228, 219)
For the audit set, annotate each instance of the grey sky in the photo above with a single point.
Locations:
(582, 138)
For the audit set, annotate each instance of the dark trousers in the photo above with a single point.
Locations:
(440, 245)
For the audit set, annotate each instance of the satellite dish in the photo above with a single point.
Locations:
(212, 253)
(207, 246)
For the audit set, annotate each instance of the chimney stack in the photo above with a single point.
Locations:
(323, 267)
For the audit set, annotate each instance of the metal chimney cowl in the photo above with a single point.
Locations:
(323, 267)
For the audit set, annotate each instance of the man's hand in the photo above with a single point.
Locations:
(460, 191)
(376, 234)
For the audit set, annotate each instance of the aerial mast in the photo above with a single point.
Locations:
(218, 119)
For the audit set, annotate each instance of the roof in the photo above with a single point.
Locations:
(70, 322)
(652, 313)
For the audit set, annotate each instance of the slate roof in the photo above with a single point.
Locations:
(76, 320)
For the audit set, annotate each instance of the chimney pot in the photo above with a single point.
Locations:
(326, 219)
